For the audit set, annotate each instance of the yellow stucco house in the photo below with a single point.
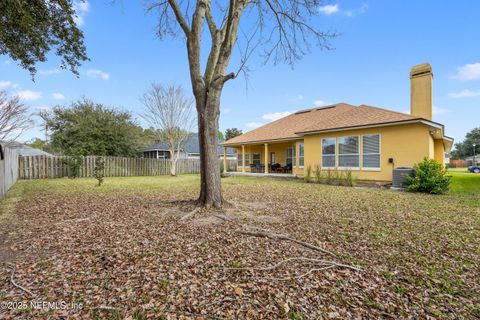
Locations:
(368, 140)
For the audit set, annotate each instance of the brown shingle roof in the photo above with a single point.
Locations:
(331, 117)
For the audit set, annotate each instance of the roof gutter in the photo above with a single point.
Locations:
(226, 144)
(376, 125)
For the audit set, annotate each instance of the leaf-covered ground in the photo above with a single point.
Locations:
(121, 252)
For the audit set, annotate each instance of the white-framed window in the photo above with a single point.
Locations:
(329, 152)
(256, 158)
(301, 155)
(239, 160)
(289, 156)
(349, 152)
(247, 159)
(371, 152)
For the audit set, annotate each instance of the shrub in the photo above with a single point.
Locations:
(429, 176)
(329, 178)
(318, 174)
(74, 163)
(98, 170)
(349, 178)
(338, 177)
(308, 176)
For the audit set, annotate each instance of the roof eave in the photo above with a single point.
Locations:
(374, 125)
(232, 144)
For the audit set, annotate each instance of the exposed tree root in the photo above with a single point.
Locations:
(223, 217)
(191, 214)
(257, 232)
(323, 265)
(307, 273)
(16, 284)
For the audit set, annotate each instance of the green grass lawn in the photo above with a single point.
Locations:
(457, 170)
(123, 245)
(465, 183)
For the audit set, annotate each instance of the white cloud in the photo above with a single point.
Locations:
(276, 115)
(335, 8)
(58, 96)
(329, 9)
(29, 95)
(48, 72)
(5, 84)
(468, 72)
(464, 94)
(355, 12)
(320, 103)
(226, 110)
(81, 8)
(253, 125)
(300, 97)
(437, 110)
(95, 73)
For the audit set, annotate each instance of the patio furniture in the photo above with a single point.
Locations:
(275, 167)
(287, 168)
(257, 168)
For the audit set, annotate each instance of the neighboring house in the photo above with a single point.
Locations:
(448, 156)
(469, 161)
(368, 140)
(24, 150)
(191, 150)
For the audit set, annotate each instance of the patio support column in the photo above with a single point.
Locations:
(224, 159)
(243, 158)
(266, 158)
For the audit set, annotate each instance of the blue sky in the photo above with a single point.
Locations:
(380, 42)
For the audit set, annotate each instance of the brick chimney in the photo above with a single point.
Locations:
(421, 91)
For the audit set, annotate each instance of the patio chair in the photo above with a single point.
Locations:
(275, 167)
(287, 168)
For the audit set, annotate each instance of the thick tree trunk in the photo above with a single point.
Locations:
(208, 115)
(173, 167)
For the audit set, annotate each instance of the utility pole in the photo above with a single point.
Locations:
(474, 163)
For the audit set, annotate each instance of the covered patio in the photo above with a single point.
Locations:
(270, 158)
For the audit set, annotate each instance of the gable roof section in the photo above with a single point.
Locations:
(287, 127)
(358, 117)
(335, 117)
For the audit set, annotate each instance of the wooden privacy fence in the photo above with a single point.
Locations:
(8, 169)
(41, 167)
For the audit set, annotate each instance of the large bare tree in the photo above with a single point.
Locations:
(169, 111)
(282, 28)
(14, 117)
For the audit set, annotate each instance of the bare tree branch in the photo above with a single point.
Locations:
(179, 16)
(13, 117)
(169, 112)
